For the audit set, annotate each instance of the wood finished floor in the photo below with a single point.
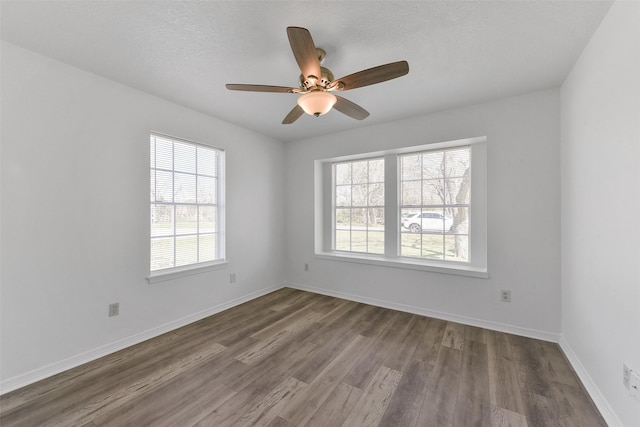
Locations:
(293, 358)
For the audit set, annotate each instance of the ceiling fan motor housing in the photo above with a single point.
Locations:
(310, 82)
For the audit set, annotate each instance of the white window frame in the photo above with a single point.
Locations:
(198, 267)
(323, 221)
(334, 207)
(424, 208)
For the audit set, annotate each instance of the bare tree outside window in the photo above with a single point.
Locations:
(359, 206)
(435, 193)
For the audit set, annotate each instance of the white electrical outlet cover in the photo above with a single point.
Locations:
(634, 383)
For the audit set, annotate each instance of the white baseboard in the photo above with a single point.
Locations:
(55, 368)
(596, 395)
(495, 326)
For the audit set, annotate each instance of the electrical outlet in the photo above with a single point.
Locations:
(114, 309)
(626, 376)
(232, 278)
(634, 385)
(505, 295)
(306, 267)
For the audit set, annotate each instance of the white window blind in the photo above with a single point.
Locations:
(186, 195)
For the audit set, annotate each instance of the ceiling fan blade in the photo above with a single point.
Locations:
(293, 115)
(350, 109)
(260, 88)
(372, 76)
(304, 51)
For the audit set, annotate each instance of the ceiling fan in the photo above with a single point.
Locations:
(317, 82)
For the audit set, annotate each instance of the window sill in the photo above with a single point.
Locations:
(188, 270)
(407, 263)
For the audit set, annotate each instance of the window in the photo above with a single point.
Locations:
(359, 206)
(416, 207)
(435, 190)
(187, 199)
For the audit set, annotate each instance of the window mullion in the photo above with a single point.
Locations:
(197, 211)
(391, 207)
(173, 199)
(366, 211)
(351, 207)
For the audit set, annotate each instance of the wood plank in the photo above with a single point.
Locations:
(263, 348)
(231, 335)
(255, 384)
(501, 417)
(279, 422)
(295, 321)
(273, 339)
(297, 299)
(242, 314)
(430, 342)
(162, 407)
(336, 408)
(504, 385)
(140, 387)
(307, 402)
(575, 406)
(400, 354)
(378, 322)
(332, 337)
(375, 398)
(406, 402)
(200, 403)
(270, 407)
(473, 407)
(454, 336)
(198, 387)
(386, 341)
(473, 333)
(284, 362)
(347, 317)
(542, 410)
(318, 361)
(364, 369)
(325, 304)
(242, 401)
(438, 407)
(533, 372)
(554, 362)
(339, 311)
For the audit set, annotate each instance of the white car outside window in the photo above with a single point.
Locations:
(428, 221)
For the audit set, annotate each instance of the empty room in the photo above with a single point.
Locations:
(329, 213)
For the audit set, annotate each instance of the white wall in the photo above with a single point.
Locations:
(75, 211)
(601, 210)
(523, 146)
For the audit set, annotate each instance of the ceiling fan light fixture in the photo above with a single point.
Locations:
(316, 82)
(317, 102)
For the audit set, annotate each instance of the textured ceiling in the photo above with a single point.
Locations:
(459, 52)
